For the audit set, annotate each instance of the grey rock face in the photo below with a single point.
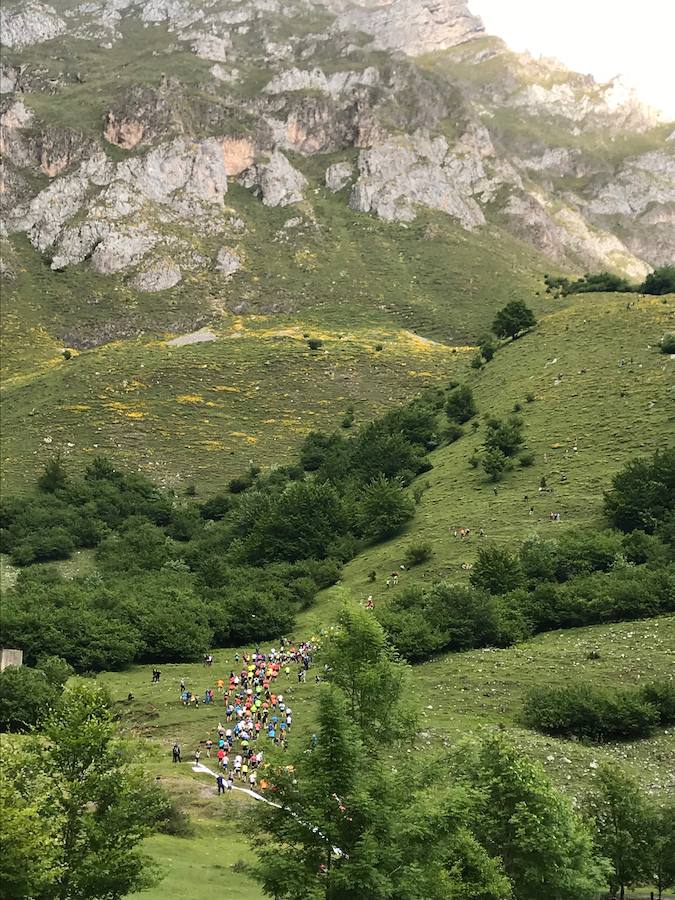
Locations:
(122, 248)
(277, 182)
(399, 175)
(315, 80)
(412, 26)
(32, 23)
(160, 276)
(338, 175)
(227, 262)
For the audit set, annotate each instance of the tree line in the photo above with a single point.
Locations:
(586, 577)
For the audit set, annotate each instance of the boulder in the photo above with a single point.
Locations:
(227, 262)
(338, 175)
(276, 181)
(160, 276)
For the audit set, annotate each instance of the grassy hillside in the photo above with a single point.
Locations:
(598, 380)
(423, 293)
(458, 696)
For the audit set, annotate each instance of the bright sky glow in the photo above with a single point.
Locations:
(603, 38)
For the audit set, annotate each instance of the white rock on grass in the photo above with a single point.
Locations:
(160, 276)
(227, 262)
(338, 175)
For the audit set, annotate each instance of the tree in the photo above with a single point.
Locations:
(546, 849)
(662, 843)
(384, 508)
(620, 814)
(25, 697)
(514, 318)
(373, 682)
(95, 806)
(660, 281)
(54, 477)
(643, 492)
(28, 862)
(494, 463)
(460, 405)
(497, 571)
(505, 435)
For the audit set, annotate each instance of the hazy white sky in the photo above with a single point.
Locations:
(601, 37)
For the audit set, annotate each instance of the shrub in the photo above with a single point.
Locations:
(191, 490)
(590, 713)
(488, 348)
(474, 461)
(383, 509)
(517, 407)
(348, 418)
(453, 433)
(642, 494)
(460, 405)
(526, 459)
(529, 397)
(379, 347)
(239, 484)
(667, 343)
(416, 554)
(314, 344)
(660, 281)
(494, 463)
(497, 571)
(476, 361)
(505, 435)
(67, 354)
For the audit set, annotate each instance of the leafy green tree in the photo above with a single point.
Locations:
(662, 847)
(494, 463)
(361, 664)
(505, 435)
(28, 859)
(383, 508)
(643, 493)
(301, 523)
(25, 697)
(497, 571)
(546, 849)
(513, 319)
(96, 807)
(620, 813)
(660, 281)
(460, 405)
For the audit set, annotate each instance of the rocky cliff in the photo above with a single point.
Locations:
(124, 125)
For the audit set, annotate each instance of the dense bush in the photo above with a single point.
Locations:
(667, 343)
(642, 494)
(597, 714)
(460, 406)
(27, 694)
(416, 554)
(660, 281)
(590, 283)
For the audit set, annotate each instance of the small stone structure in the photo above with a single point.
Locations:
(10, 658)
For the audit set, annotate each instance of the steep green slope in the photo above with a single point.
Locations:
(599, 382)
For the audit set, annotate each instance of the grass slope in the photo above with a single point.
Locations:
(615, 399)
(458, 696)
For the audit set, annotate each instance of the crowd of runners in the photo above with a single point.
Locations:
(254, 711)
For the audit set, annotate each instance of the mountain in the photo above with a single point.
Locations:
(372, 170)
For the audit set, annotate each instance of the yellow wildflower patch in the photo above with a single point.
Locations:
(135, 414)
(226, 389)
(189, 398)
